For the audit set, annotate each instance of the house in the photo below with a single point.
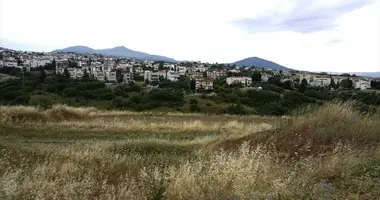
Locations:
(156, 67)
(1, 63)
(363, 84)
(172, 75)
(203, 83)
(72, 72)
(128, 77)
(99, 75)
(181, 70)
(321, 81)
(307, 77)
(216, 74)
(234, 71)
(194, 74)
(243, 80)
(201, 68)
(111, 76)
(10, 63)
(151, 76)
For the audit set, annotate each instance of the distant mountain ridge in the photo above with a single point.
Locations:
(259, 62)
(120, 51)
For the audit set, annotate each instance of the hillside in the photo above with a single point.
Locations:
(120, 51)
(259, 62)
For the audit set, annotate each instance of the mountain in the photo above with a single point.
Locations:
(363, 74)
(120, 51)
(368, 74)
(78, 49)
(259, 62)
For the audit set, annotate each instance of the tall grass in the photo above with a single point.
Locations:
(336, 149)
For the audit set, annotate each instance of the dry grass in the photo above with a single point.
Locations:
(337, 157)
(317, 132)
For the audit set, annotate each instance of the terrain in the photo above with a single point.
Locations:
(259, 62)
(329, 152)
(119, 51)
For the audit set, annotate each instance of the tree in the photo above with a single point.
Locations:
(346, 83)
(54, 64)
(19, 62)
(119, 76)
(332, 84)
(288, 85)
(86, 76)
(42, 75)
(350, 83)
(161, 66)
(70, 92)
(303, 86)
(193, 101)
(256, 76)
(66, 73)
(194, 107)
(192, 84)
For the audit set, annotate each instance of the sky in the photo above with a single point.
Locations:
(313, 35)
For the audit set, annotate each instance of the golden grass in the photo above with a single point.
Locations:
(92, 172)
(337, 158)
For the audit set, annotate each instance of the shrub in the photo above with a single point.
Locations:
(42, 101)
(193, 101)
(195, 108)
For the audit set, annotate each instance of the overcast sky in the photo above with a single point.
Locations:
(315, 35)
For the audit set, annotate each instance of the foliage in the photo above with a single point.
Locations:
(42, 101)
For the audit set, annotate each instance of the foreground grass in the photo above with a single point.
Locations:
(67, 153)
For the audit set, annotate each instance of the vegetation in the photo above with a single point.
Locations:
(325, 152)
(38, 88)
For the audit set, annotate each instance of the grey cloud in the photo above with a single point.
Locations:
(302, 19)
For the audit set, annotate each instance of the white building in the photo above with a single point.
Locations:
(10, 64)
(99, 75)
(1, 63)
(321, 81)
(181, 70)
(244, 80)
(306, 77)
(201, 68)
(111, 76)
(363, 84)
(151, 76)
(172, 75)
(128, 77)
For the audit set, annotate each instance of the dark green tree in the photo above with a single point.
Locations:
(287, 85)
(86, 76)
(42, 75)
(346, 83)
(256, 76)
(192, 85)
(119, 76)
(66, 73)
(303, 86)
(332, 84)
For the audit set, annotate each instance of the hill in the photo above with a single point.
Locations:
(120, 51)
(259, 62)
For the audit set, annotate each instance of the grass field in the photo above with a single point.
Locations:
(82, 153)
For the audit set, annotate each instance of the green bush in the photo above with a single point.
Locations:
(42, 101)
(195, 108)
(193, 101)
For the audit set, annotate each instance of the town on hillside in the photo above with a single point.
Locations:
(111, 69)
